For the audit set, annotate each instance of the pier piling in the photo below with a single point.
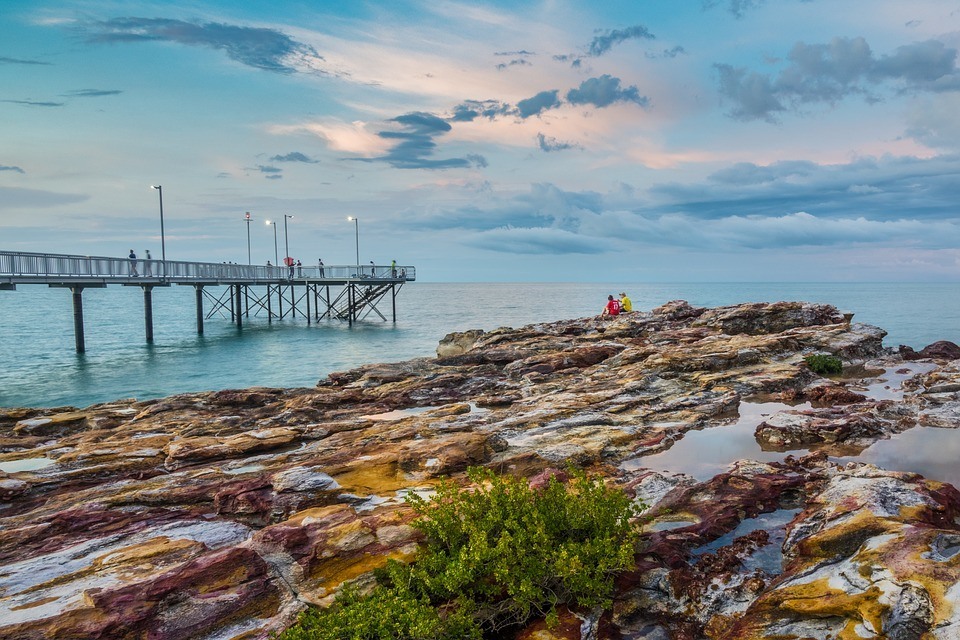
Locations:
(78, 318)
(199, 293)
(148, 312)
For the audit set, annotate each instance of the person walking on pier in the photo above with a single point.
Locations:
(146, 263)
(299, 269)
(320, 260)
(373, 269)
(133, 263)
(393, 268)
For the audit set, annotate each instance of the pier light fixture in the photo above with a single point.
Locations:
(247, 218)
(286, 241)
(276, 254)
(163, 241)
(356, 232)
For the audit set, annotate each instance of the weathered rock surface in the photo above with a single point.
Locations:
(222, 514)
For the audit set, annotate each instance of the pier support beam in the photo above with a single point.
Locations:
(148, 312)
(239, 300)
(199, 293)
(307, 296)
(78, 318)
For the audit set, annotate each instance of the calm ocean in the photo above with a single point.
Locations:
(39, 368)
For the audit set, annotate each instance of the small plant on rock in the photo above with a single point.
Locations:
(823, 364)
(496, 555)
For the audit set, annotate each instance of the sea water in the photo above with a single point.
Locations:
(39, 366)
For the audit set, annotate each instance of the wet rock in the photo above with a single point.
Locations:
(941, 350)
(793, 429)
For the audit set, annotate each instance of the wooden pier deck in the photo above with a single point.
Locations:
(335, 292)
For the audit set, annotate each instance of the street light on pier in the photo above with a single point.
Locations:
(286, 242)
(247, 218)
(163, 243)
(276, 254)
(356, 230)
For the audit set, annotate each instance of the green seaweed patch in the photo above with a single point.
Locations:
(824, 364)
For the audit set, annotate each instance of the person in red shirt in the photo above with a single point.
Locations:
(612, 308)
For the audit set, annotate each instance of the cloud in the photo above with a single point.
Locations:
(746, 173)
(521, 62)
(603, 43)
(415, 143)
(536, 241)
(260, 48)
(472, 109)
(92, 93)
(884, 188)
(753, 94)
(737, 7)
(880, 203)
(828, 73)
(797, 230)
(934, 122)
(35, 103)
(538, 103)
(552, 144)
(604, 91)
(293, 156)
(11, 168)
(354, 137)
(268, 169)
(4, 60)
(15, 197)
(667, 53)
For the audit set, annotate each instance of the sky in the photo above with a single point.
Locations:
(615, 141)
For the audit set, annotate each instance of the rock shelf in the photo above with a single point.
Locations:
(223, 514)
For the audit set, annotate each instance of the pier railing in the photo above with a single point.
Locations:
(20, 267)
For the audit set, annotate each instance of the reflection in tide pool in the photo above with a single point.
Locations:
(704, 453)
(929, 451)
(768, 558)
(25, 464)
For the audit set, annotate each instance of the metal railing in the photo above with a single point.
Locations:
(24, 267)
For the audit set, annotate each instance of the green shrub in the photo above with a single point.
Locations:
(495, 555)
(823, 364)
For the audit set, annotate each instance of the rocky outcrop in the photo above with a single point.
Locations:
(223, 514)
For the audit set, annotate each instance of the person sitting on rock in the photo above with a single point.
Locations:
(612, 308)
(626, 305)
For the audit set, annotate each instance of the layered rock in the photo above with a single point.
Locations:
(222, 514)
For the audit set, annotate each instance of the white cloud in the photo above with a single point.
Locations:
(349, 137)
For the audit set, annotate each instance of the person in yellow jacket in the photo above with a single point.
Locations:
(625, 304)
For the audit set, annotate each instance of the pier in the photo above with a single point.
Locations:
(347, 293)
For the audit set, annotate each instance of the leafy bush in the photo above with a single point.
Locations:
(495, 555)
(823, 364)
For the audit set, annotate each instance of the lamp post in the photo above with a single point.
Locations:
(163, 242)
(356, 230)
(247, 218)
(276, 254)
(286, 242)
